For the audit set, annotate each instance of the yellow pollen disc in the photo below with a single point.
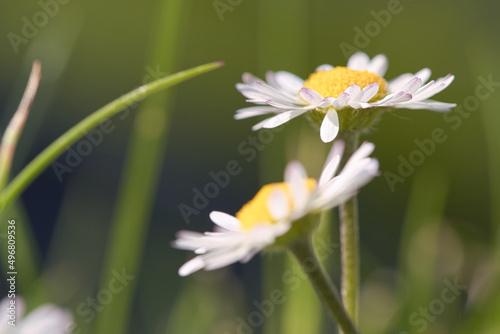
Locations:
(256, 211)
(333, 82)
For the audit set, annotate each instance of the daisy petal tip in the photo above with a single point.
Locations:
(369, 146)
(294, 167)
(214, 214)
(359, 54)
(257, 127)
(304, 91)
(191, 266)
(330, 126)
(182, 273)
(324, 67)
(247, 78)
(295, 170)
(225, 220)
(328, 137)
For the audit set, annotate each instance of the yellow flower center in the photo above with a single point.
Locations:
(333, 82)
(256, 211)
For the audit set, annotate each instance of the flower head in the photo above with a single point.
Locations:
(45, 319)
(278, 212)
(349, 97)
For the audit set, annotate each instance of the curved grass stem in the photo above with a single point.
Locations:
(14, 189)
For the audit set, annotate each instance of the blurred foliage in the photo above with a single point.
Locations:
(433, 227)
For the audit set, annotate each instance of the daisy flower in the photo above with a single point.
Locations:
(45, 319)
(351, 97)
(279, 212)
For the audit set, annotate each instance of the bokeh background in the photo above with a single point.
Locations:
(439, 225)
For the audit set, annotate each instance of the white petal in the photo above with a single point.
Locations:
(278, 205)
(326, 102)
(249, 78)
(263, 109)
(378, 65)
(289, 105)
(282, 118)
(424, 90)
(353, 91)
(362, 152)
(401, 98)
(311, 96)
(251, 93)
(288, 81)
(368, 92)
(191, 266)
(324, 67)
(207, 241)
(225, 258)
(427, 104)
(296, 176)
(276, 93)
(396, 83)
(412, 86)
(424, 74)
(46, 319)
(357, 173)
(390, 99)
(259, 125)
(341, 101)
(226, 221)
(329, 126)
(253, 111)
(332, 162)
(438, 86)
(358, 61)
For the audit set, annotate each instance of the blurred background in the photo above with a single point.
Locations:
(435, 226)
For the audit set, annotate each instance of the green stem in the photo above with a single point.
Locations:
(349, 237)
(145, 156)
(54, 150)
(304, 253)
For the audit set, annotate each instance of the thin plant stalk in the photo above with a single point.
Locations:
(349, 237)
(14, 189)
(16, 125)
(304, 253)
(27, 258)
(142, 170)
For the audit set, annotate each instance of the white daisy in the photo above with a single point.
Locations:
(46, 319)
(330, 89)
(278, 210)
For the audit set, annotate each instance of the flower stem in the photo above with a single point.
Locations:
(304, 253)
(349, 237)
(47, 156)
